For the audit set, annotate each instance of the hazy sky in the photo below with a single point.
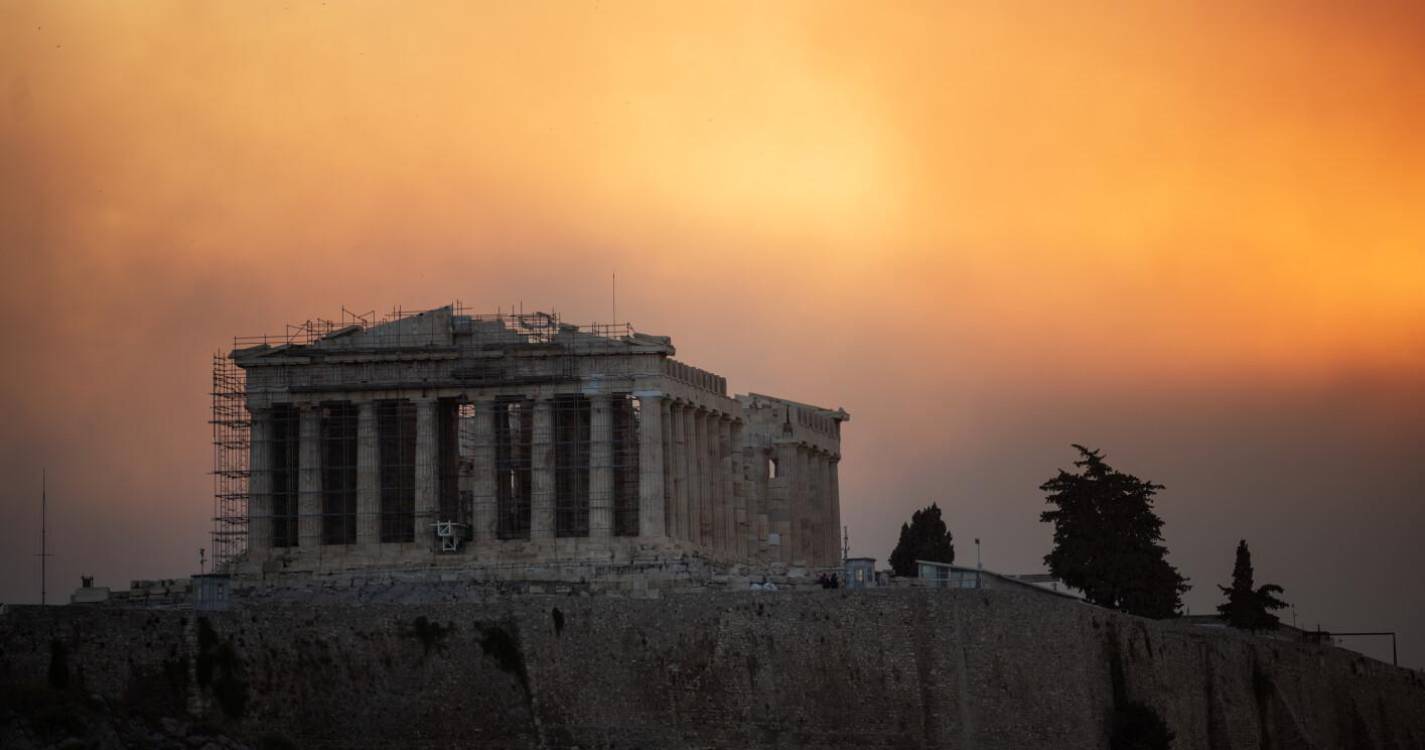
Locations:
(1190, 236)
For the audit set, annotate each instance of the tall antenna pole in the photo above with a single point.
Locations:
(44, 553)
(613, 298)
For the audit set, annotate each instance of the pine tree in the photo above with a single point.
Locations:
(1248, 608)
(1108, 540)
(925, 538)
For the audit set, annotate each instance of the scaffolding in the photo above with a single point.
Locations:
(331, 474)
(572, 421)
(231, 443)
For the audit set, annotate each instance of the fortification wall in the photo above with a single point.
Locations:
(897, 668)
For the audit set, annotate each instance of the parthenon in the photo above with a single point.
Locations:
(446, 437)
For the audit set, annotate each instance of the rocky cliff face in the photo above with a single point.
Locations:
(902, 668)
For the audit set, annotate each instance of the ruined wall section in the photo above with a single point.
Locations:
(900, 668)
(793, 451)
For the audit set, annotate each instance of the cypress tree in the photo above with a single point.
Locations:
(1246, 607)
(926, 537)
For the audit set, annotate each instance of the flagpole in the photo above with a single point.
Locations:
(44, 554)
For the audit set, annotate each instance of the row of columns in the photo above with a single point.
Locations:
(702, 468)
(426, 471)
(809, 505)
(695, 483)
(310, 489)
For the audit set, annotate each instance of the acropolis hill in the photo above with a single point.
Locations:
(891, 668)
(448, 530)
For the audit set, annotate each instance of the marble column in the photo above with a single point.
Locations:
(801, 491)
(601, 467)
(759, 495)
(737, 472)
(828, 524)
(541, 522)
(727, 531)
(427, 471)
(812, 546)
(823, 527)
(483, 457)
(785, 507)
(368, 476)
(712, 486)
(713, 483)
(651, 521)
(834, 486)
(682, 468)
(259, 487)
(670, 455)
(833, 519)
(697, 463)
(309, 473)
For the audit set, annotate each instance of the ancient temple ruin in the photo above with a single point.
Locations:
(446, 438)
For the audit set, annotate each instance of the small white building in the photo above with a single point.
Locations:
(860, 573)
(946, 575)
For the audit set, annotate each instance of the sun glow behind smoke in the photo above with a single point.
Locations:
(972, 225)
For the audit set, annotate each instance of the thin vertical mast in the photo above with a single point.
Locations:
(44, 554)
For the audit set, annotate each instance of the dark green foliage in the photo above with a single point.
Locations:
(924, 538)
(1108, 540)
(1137, 726)
(1249, 608)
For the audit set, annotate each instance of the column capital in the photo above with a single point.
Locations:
(649, 394)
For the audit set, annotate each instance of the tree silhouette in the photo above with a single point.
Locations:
(1108, 540)
(1248, 608)
(924, 538)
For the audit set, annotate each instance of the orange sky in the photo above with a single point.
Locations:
(1189, 235)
